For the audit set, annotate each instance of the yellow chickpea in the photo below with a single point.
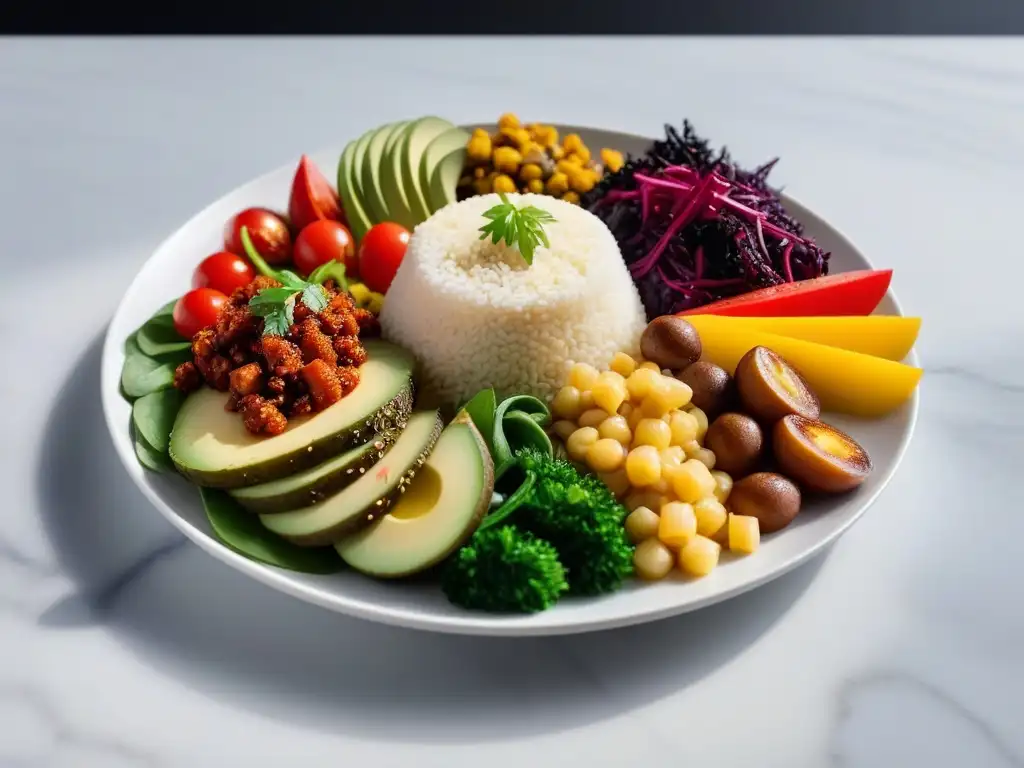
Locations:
(672, 456)
(583, 376)
(625, 409)
(711, 516)
(635, 417)
(617, 482)
(508, 120)
(547, 135)
(606, 455)
(507, 160)
(643, 466)
(563, 428)
(556, 151)
(640, 382)
(579, 443)
(583, 153)
(536, 186)
(479, 172)
(609, 391)
(612, 159)
(571, 197)
(706, 457)
(483, 186)
(615, 428)
(503, 183)
(572, 142)
(702, 421)
(641, 523)
(586, 399)
(478, 149)
(723, 485)
(683, 426)
(653, 432)
(566, 403)
(582, 180)
(623, 364)
(530, 171)
(558, 183)
(677, 524)
(592, 417)
(668, 394)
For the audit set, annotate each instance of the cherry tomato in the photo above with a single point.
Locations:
(323, 241)
(380, 253)
(197, 309)
(268, 232)
(223, 272)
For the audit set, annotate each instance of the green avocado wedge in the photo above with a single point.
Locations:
(391, 185)
(212, 447)
(417, 138)
(367, 498)
(371, 170)
(441, 167)
(240, 531)
(315, 484)
(438, 512)
(350, 193)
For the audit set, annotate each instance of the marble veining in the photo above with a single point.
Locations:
(126, 646)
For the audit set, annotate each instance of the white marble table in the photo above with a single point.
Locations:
(122, 645)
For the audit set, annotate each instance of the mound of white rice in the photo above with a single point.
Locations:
(476, 315)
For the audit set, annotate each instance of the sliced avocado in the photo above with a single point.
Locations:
(212, 447)
(437, 152)
(417, 137)
(391, 186)
(439, 510)
(349, 192)
(368, 497)
(314, 485)
(446, 180)
(373, 161)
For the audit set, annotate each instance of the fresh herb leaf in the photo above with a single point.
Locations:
(314, 297)
(268, 299)
(289, 279)
(278, 323)
(520, 228)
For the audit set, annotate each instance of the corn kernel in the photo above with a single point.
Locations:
(582, 376)
(653, 408)
(558, 183)
(572, 159)
(592, 417)
(641, 523)
(677, 524)
(612, 160)
(702, 421)
(617, 482)
(566, 403)
(478, 148)
(606, 455)
(652, 560)
(530, 172)
(683, 426)
(699, 557)
(635, 416)
(623, 364)
(571, 197)
(583, 153)
(536, 186)
(643, 465)
(555, 150)
(615, 428)
(723, 485)
(654, 432)
(671, 456)
(503, 183)
(669, 394)
(572, 142)
(609, 392)
(579, 443)
(692, 449)
(642, 497)
(640, 382)
(507, 159)
(692, 481)
(480, 132)
(586, 399)
(563, 428)
(711, 516)
(567, 166)
(706, 457)
(547, 135)
(744, 534)
(651, 366)
(508, 120)
(625, 409)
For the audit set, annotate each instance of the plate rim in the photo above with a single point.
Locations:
(471, 624)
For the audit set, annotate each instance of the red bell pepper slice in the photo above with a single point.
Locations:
(844, 294)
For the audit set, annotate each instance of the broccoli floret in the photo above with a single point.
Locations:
(581, 518)
(504, 569)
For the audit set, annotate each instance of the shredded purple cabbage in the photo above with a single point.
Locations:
(694, 228)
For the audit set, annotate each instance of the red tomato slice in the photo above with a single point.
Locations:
(845, 294)
(312, 197)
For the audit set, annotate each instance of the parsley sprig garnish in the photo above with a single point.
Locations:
(277, 305)
(520, 228)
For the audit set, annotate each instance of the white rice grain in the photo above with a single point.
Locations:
(477, 316)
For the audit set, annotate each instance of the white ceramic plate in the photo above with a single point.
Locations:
(167, 274)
